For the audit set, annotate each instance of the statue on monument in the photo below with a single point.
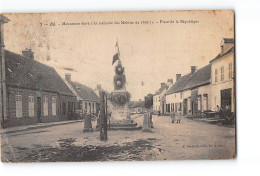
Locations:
(119, 96)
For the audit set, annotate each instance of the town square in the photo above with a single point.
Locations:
(141, 91)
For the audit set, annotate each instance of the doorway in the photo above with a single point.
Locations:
(226, 96)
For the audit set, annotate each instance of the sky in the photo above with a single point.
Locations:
(151, 53)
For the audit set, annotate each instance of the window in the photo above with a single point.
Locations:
(45, 105)
(53, 106)
(180, 95)
(31, 106)
(230, 70)
(199, 103)
(18, 102)
(222, 73)
(205, 102)
(216, 75)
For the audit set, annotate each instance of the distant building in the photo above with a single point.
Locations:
(87, 100)
(222, 76)
(158, 105)
(137, 107)
(35, 92)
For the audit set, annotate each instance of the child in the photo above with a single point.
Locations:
(172, 116)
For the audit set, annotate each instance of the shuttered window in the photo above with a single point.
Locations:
(230, 70)
(45, 106)
(31, 106)
(18, 101)
(222, 73)
(53, 106)
(216, 75)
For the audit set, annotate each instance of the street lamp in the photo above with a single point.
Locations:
(3, 101)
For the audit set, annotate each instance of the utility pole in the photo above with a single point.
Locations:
(103, 116)
(3, 102)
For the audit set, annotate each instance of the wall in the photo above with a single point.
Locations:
(12, 120)
(156, 103)
(227, 83)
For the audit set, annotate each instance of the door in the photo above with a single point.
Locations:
(69, 110)
(185, 103)
(39, 109)
(226, 98)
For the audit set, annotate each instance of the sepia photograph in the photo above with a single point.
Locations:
(118, 86)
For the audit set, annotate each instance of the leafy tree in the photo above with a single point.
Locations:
(148, 101)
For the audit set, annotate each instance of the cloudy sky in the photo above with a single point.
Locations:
(150, 53)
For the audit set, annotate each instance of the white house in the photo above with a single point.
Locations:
(222, 84)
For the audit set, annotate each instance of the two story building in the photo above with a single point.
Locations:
(222, 83)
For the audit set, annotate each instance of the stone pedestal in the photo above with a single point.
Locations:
(147, 122)
(87, 123)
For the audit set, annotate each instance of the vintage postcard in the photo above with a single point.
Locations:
(118, 86)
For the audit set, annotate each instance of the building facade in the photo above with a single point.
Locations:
(190, 93)
(35, 92)
(222, 84)
(87, 100)
(159, 105)
(210, 88)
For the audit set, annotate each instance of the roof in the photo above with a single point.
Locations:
(138, 104)
(200, 78)
(228, 40)
(161, 89)
(23, 72)
(179, 84)
(84, 92)
(221, 55)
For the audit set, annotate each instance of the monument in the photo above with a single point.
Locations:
(120, 116)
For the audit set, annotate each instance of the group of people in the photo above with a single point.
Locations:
(176, 116)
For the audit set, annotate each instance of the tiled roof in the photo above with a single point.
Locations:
(161, 89)
(84, 92)
(23, 72)
(199, 78)
(221, 55)
(179, 84)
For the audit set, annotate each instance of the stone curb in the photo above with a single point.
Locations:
(38, 126)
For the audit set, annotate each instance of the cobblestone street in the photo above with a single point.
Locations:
(187, 140)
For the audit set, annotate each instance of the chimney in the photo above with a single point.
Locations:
(68, 76)
(226, 44)
(28, 53)
(178, 76)
(193, 69)
(170, 80)
(163, 84)
(99, 86)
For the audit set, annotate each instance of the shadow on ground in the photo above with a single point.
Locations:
(68, 152)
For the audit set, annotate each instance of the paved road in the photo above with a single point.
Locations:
(187, 140)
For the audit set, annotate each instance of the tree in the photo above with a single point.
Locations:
(148, 101)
